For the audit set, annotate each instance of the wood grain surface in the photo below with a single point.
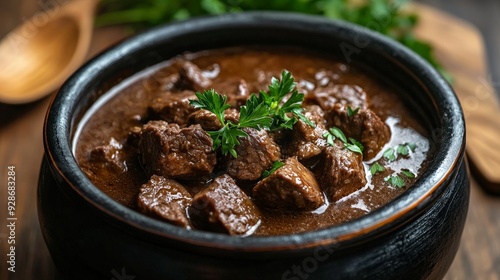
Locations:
(459, 47)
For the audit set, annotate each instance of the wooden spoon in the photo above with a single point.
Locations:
(40, 54)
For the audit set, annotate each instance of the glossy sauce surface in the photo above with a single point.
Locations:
(127, 107)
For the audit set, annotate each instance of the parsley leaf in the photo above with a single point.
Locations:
(412, 146)
(404, 149)
(278, 89)
(351, 112)
(376, 168)
(338, 133)
(329, 138)
(389, 154)
(395, 181)
(298, 113)
(254, 114)
(352, 145)
(284, 115)
(211, 101)
(226, 138)
(276, 165)
(408, 173)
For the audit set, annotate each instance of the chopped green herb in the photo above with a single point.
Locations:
(329, 138)
(351, 112)
(404, 149)
(333, 133)
(298, 113)
(395, 181)
(376, 168)
(408, 173)
(276, 166)
(389, 154)
(260, 112)
(412, 146)
(354, 146)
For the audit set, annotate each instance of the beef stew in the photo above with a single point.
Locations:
(147, 147)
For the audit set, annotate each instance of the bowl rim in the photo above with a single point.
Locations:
(58, 123)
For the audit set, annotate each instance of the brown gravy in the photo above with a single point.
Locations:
(126, 106)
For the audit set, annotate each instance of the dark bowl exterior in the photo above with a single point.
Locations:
(415, 236)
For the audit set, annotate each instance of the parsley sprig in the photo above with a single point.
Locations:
(287, 114)
(264, 111)
(252, 114)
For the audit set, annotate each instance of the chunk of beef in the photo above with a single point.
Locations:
(206, 119)
(167, 79)
(307, 141)
(333, 75)
(133, 136)
(256, 153)
(262, 81)
(232, 115)
(111, 156)
(191, 77)
(209, 121)
(172, 152)
(172, 107)
(224, 207)
(327, 97)
(165, 199)
(291, 186)
(281, 136)
(365, 126)
(305, 86)
(343, 172)
(237, 91)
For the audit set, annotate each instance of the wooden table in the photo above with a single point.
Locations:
(485, 15)
(21, 146)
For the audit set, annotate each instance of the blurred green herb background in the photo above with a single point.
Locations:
(385, 16)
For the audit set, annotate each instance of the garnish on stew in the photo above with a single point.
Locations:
(396, 180)
(276, 165)
(376, 168)
(335, 133)
(263, 111)
(351, 112)
(391, 154)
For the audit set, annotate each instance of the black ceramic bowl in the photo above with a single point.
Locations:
(416, 236)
